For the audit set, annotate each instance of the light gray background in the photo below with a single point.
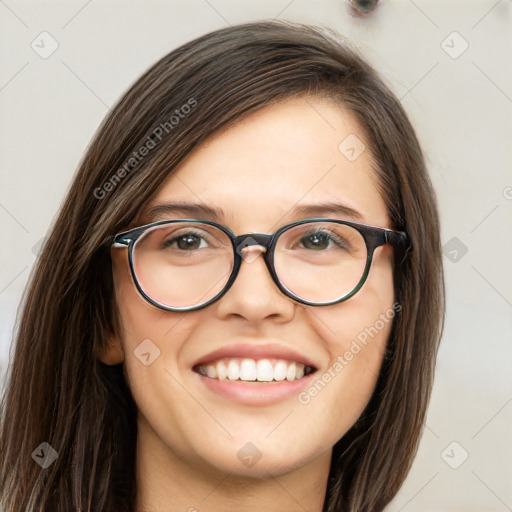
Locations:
(459, 101)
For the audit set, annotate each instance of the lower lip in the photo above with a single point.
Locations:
(262, 393)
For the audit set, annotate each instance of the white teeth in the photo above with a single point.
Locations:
(250, 370)
(222, 370)
(233, 370)
(265, 370)
(280, 370)
(211, 372)
(290, 372)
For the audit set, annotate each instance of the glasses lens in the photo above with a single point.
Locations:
(183, 264)
(320, 261)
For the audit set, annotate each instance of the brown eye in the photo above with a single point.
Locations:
(320, 240)
(185, 242)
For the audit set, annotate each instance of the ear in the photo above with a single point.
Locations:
(112, 353)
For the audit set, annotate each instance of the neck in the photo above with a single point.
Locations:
(167, 482)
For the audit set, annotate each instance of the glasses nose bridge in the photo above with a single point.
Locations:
(250, 239)
(256, 239)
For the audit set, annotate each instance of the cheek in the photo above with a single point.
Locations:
(355, 335)
(139, 320)
(152, 341)
(344, 322)
(148, 335)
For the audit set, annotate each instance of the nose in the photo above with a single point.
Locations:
(254, 295)
(246, 250)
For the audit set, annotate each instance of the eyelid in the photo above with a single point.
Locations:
(337, 239)
(202, 233)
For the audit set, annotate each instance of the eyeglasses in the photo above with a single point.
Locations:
(187, 264)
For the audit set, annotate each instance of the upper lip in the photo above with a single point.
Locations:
(262, 350)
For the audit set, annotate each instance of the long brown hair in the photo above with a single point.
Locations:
(60, 393)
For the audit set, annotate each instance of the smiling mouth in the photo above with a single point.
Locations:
(254, 370)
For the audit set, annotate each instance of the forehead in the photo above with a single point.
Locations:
(295, 153)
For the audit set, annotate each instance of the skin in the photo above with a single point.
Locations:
(188, 436)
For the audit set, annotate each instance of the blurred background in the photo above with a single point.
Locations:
(64, 64)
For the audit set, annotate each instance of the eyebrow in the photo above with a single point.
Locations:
(330, 208)
(190, 210)
(194, 210)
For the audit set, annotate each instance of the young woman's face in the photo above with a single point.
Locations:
(259, 172)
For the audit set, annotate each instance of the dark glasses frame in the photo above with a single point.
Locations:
(373, 236)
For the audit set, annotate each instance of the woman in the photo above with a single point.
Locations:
(171, 354)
